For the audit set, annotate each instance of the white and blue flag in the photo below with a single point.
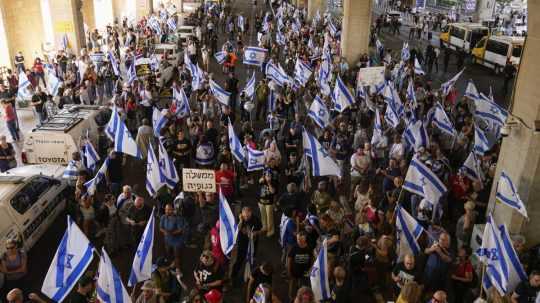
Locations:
(319, 113)
(416, 135)
(411, 94)
(379, 45)
(272, 101)
(69, 263)
(319, 276)
(114, 63)
(171, 23)
(249, 90)
(422, 181)
(197, 77)
(124, 143)
(361, 92)
(481, 141)
(131, 73)
(332, 28)
(276, 73)
(341, 97)
(220, 57)
(446, 86)
(90, 155)
(72, 170)
(280, 38)
(255, 159)
(490, 253)
(53, 83)
(241, 23)
(235, 145)
(471, 91)
(489, 111)
(24, 90)
(109, 286)
(516, 273)
(141, 270)
(321, 162)
(408, 231)
(219, 93)
(180, 107)
(377, 128)
(65, 42)
(154, 179)
(255, 55)
(418, 68)
(405, 53)
(166, 165)
(91, 185)
(302, 72)
(228, 230)
(112, 125)
(471, 168)
(507, 194)
(442, 122)
(159, 120)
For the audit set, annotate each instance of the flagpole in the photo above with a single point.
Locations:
(483, 271)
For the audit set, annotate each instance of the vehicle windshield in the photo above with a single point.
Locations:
(185, 31)
(516, 52)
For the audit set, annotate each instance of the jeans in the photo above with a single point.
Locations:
(12, 127)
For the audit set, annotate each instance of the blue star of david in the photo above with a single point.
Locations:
(423, 181)
(252, 55)
(314, 271)
(139, 253)
(322, 112)
(493, 110)
(148, 167)
(162, 162)
(69, 257)
(253, 161)
(323, 152)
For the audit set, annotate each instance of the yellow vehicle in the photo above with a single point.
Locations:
(463, 36)
(497, 51)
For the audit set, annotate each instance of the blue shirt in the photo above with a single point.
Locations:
(173, 223)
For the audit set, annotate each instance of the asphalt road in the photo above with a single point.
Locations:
(269, 250)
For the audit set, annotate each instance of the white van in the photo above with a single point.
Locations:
(31, 197)
(54, 141)
(497, 51)
(184, 32)
(166, 48)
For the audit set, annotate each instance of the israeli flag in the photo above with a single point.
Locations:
(131, 73)
(516, 273)
(507, 194)
(342, 97)
(408, 231)
(321, 162)
(361, 92)
(272, 98)
(241, 22)
(90, 155)
(276, 73)
(471, 91)
(319, 276)
(481, 142)
(379, 45)
(249, 90)
(284, 223)
(24, 91)
(416, 135)
(236, 147)
(319, 113)
(418, 68)
(254, 55)
(167, 169)
(411, 94)
(323, 76)
(228, 230)
(280, 38)
(471, 168)
(391, 97)
(171, 23)
(219, 93)
(180, 105)
(53, 83)
(490, 253)
(490, 112)
(220, 57)
(114, 63)
(391, 116)
(422, 181)
(302, 72)
(65, 42)
(442, 122)
(159, 120)
(154, 178)
(332, 28)
(377, 128)
(255, 159)
(72, 171)
(91, 185)
(112, 125)
(154, 25)
(72, 257)
(446, 86)
(197, 78)
(141, 270)
(124, 143)
(109, 286)
(405, 53)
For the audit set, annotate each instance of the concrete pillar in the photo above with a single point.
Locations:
(67, 21)
(5, 58)
(143, 8)
(520, 151)
(355, 29)
(23, 26)
(314, 6)
(89, 16)
(104, 13)
(484, 10)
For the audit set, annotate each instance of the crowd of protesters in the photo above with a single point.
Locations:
(354, 213)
